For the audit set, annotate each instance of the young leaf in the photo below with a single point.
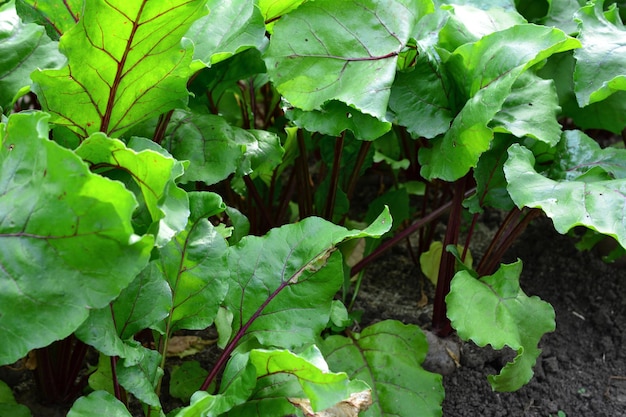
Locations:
(194, 266)
(580, 199)
(388, 357)
(119, 77)
(276, 370)
(57, 16)
(486, 71)
(185, 380)
(230, 27)
(8, 405)
(283, 298)
(63, 230)
(141, 378)
(23, 46)
(494, 310)
(105, 404)
(346, 51)
(601, 62)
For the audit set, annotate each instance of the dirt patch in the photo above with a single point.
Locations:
(582, 369)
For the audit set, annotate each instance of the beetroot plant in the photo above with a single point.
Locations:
(169, 167)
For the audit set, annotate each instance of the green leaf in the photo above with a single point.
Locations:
(601, 62)
(346, 51)
(23, 47)
(194, 266)
(335, 117)
(61, 222)
(531, 109)
(273, 9)
(102, 378)
(153, 172)
(225, 149)
(486, 71)
(419, 99)
(232, 26)
(581, 196)
(8, 405)
(57, 16)
(276, 370)
(142, 378)
(185, 380)
(561, 15)
(283, 298)
(388, 357)
(494, 310)
(105, 404)
(117, 78)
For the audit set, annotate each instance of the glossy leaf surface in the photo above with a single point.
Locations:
(62, 231)
(115, 78)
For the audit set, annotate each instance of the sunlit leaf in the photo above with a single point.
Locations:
(230, 27)
(23, 47)
(66, 239)
(346, 51)
(601, 62)
(115, 78)
(588, 180)
(495, 311)
(105, 404)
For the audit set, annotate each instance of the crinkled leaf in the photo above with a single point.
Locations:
(216, 149)
(101, 402)
(194, 266)
(419, 99)
(578, 201)
(335, 117)
(62, 223)
(57, 16)
(388, 357)
(142, 378)
(531, 109)
(230, 27)
(487, 70)
(23, 47)
(346, 51)
(261, 156)
(115, 78)
(601, 62)
(152, 171)
(281, 372)
(494, 310)
(283, 297)
(561, 15)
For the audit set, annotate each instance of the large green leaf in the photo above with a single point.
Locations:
(494, 310)
(283, 297)
(588, 181)
(231, 27)
(193, 264)
(486, 71)
(153, 172)
(67, 244)
(346, 51)
(388, 357)
(115, 78)
(23, 47)
(101, 402)
(57, 16)
(601, 62)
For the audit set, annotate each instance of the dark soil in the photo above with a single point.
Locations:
(582, 369)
